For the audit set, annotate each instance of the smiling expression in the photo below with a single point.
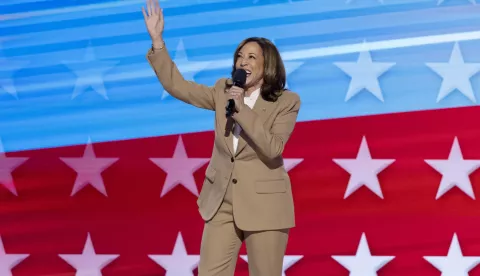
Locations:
(250, 58)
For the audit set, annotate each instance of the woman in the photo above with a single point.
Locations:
(246, 195)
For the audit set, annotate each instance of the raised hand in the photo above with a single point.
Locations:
(154, 20)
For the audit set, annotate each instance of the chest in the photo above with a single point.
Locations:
(227, 138)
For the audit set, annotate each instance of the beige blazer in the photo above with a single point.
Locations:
(262, 195)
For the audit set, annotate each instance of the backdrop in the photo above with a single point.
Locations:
(100, 168)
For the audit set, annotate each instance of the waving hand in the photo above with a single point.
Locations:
(153, 16)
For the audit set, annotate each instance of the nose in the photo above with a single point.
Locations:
(243, 62)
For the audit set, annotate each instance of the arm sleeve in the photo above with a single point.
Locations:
(173, 82)
(270, 143)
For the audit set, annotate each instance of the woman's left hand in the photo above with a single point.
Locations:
(236, 93)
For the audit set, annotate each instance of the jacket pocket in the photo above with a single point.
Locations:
(271, 186)
(210, 174)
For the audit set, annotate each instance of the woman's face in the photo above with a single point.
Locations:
(250, 58)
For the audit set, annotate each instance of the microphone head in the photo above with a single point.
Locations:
(239, 77)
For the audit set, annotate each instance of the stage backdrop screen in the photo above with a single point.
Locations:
(101, 168)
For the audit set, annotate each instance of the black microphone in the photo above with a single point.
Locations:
(239, 78)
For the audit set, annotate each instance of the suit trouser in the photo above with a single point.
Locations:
(222, 239)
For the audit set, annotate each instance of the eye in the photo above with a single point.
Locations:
(252, 57)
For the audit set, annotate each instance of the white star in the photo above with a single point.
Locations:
(180, 169)
(179, 263)
(455, 171)
(90, 73)
(363, 263)
(89, 169)
(288, 261)
(290, 163)
(290, 66)
(471, 1)
(88, 263)
(363, 170)
(454, 264)
(364, 74)
(9, 261)
(7, 165)
(183, 64)
(456, 74)
(7, 69)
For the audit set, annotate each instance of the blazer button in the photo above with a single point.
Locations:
(231, 159)
(234, 181)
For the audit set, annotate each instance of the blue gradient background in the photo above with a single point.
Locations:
(43, 45)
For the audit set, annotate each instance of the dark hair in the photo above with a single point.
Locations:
(274, 75)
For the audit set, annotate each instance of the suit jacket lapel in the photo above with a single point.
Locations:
(228, 137)
(263, 109)
(228, 124)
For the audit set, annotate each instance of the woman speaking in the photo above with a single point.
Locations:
(246, 195)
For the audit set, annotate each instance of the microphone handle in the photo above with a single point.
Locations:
(230, 107)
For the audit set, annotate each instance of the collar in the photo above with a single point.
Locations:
(254, 95)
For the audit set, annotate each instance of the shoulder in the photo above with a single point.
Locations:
(289, 99)
(222, 82)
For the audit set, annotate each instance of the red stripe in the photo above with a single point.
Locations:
(134, 221)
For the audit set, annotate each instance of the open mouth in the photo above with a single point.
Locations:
(248, 73)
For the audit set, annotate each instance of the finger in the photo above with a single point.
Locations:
(144, 14)
(161, 14)
(154, 7)
(157, 7)
(150, 7)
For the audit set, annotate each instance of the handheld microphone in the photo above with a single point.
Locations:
(239, 78)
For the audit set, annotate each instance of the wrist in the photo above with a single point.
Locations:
(158, 43)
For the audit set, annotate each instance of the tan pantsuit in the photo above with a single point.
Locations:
(246, 195)
(222, 239)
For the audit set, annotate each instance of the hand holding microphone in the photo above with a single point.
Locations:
(236, 92)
